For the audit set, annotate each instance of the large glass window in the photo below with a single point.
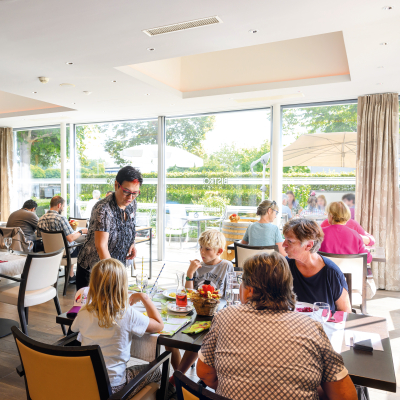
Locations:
(101, 150)
(212, 172)
(319, 153)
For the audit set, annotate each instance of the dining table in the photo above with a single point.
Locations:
(11, 264)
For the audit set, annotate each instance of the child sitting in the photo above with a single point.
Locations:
(212, 270)
(108, 321)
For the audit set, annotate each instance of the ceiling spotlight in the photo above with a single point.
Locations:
(383, 44)
(114, 81)
(253, 31)
(147, 94)
(69, 63)
(43, 79)
(387, 8)
(67, 84)
(87, 93)
(172, 104)
(73, 103)
(34, 92)
(150, 48)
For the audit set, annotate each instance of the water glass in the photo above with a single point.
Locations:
(30, 245)
(151, 291)
(142, 281)
(231, 278)
(321, 312)
(8, 243)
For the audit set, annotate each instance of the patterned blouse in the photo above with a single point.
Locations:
(265, 354)
(108, 217)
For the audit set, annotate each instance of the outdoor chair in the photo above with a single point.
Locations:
(19, 242)
(66, 372)
(82, 222)
(176, 223)
(244, 251)
(37, 285)
(186, 389)
(356, 265)
(56, 240)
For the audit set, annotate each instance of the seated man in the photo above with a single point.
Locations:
(27, 220)
(54, 221)
(349, 199)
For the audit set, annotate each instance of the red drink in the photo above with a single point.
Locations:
(181, 300)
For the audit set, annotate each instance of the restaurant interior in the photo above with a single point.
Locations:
(223, 109)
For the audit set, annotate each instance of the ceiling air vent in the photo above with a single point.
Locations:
(196, 23)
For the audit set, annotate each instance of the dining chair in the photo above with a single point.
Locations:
(19, 242)
(37, 285)
(356, 265)
(186, 389)
(176, 224)
(244, 251)
(82, 222)
(56, 240)
(79, 372)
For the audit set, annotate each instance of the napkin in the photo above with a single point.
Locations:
(336, 318)
(198, 327)
(1, 261)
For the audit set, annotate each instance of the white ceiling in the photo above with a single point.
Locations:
(38, 37)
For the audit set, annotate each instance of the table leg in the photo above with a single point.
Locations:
(150, 259)
(5, 326)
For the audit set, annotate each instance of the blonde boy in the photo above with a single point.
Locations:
(212, 270)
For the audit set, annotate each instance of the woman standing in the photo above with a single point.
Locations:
(263, 232)
(111, 231)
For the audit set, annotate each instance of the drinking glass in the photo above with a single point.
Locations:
(229, 288)
(8, 243)
(142, 281)
(30, 245)
(151, 291)
(164, 310)
(321, 312)
(181, 295)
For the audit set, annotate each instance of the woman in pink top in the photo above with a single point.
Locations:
(338, 238)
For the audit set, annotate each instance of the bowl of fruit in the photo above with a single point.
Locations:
(206, 300)
(74, 224)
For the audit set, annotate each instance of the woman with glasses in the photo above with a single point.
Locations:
(264, 232)
(111, 231)
(263, 349)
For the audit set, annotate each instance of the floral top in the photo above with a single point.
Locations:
(108, 217)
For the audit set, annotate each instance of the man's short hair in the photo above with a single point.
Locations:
(29, 204)
(349, 197)
(56, 200)
(129, 174)
(96, 194)
(213, 239)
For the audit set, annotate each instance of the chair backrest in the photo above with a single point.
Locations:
(356, 264)
(19, 242)
(46, 368)
(41, 270)
(82, 222)
(53, 241)
(142, 219)
(177, 213)
(244, 251)
(186, 389)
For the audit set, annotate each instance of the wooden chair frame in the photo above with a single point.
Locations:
(23, 311)
(63, 348)
(246, 246)
(182, 381)
(67, 255)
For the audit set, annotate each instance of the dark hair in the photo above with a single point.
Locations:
(56, 200)
(272, 282)
(129, 174)
(349, 197)
(290, 192)
(29, 204)
(305, 229)
(312, 202)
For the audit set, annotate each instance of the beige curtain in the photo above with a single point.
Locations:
(6, 171)
(377, 181)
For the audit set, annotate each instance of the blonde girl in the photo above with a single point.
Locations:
(108, 321)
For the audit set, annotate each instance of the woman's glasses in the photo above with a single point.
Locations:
(273, 209)
(128, 193)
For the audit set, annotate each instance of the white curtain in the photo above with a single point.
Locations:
(6, 171)
(377, 181)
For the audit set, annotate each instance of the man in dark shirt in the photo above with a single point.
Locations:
(27, 220)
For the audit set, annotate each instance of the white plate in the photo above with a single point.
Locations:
(301, 304)
(173, 307)
(166, 293)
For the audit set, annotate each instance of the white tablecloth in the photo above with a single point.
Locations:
(14, 265)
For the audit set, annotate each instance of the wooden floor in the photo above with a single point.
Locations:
(42, 327)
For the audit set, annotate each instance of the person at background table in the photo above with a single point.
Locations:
(339, 238)
(292, 203)
(212, 270)
(349, 199)
(321, 202)
(285, 208)
(112, 327)
(27, 220)
(315, 278)
(312, 207)
(109, 192)
(367, 238)
(262, 349)
(264, 232)
(54, 221)
(96, 197)
(112, 226)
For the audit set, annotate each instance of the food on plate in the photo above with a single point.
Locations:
(304, 309)
(173, 294)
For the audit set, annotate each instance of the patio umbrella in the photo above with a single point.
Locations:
(333, 149)
(145, 157)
